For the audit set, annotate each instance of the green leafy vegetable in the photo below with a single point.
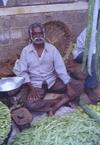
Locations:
(5, 122)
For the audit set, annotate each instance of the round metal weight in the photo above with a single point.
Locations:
(22, 117)
(59, 35)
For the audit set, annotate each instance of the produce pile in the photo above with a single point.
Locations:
(93, 111)
(5, 122)
(95, 108)
(74, 129)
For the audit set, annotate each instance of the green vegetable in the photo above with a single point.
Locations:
(95, 108)
(5, 122)
(73, 129)
(89, 111)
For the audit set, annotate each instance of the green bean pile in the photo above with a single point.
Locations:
(5, 122)
(73, 129)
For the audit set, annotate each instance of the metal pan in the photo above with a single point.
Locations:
(10, 83)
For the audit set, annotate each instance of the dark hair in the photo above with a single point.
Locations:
(35, 25)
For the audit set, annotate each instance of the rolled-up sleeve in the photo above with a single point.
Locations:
(60, 67)
(24, 67)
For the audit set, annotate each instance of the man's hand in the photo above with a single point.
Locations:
(33, 93)
(71, 92)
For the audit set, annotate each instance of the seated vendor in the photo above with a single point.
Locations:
(44, 71)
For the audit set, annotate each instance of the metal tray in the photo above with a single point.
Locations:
(10, 83)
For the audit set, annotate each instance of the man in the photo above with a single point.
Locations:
(44, 71)
(90, 81)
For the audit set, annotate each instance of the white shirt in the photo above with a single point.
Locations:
(36, 69)
(80, 44)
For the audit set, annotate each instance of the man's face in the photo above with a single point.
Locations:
(37, 36)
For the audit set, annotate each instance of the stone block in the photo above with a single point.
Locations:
(5, 23)
(4, 37)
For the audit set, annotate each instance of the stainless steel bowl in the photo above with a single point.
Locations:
(10, 83)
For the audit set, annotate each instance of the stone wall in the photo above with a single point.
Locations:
(33, 2)
(14, 28)
(10, 3)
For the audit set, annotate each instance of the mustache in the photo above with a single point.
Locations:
(38, 39)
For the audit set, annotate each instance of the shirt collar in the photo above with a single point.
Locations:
(32, 48)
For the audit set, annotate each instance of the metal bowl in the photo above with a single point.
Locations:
(10, 83)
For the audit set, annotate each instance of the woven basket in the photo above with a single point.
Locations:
(59, 35)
